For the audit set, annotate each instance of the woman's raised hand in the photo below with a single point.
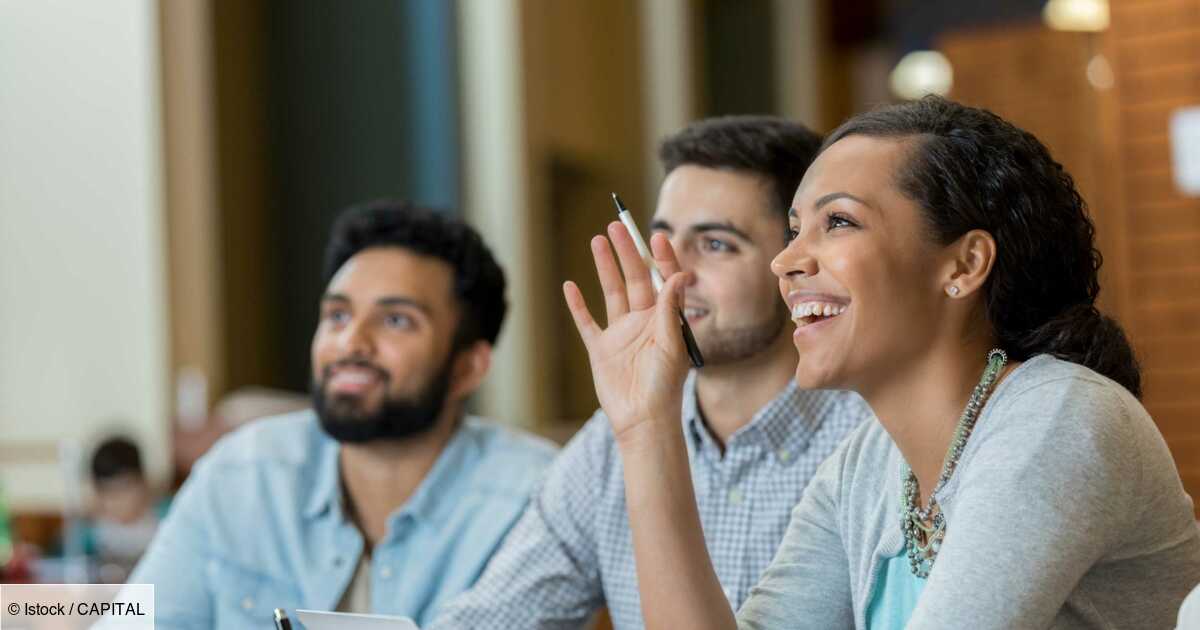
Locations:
(638, 362)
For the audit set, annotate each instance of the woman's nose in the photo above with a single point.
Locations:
(794, 259)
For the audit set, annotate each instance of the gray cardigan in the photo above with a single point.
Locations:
(1066, 511)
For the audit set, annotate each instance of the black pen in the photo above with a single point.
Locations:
(281, 620)
(626, 218)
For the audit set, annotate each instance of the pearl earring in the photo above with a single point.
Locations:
(953, 291)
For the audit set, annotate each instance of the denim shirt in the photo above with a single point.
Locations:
(260, 524)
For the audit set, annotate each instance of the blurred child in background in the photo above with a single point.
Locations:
(125, 514)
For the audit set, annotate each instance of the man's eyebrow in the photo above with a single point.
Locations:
(399, 300)
(704, 226)
(389, 300)
(723, 226)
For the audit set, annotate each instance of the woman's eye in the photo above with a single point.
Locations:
(792, 233)
(338, 317)
(839, 221)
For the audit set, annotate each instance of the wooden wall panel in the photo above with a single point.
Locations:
(193, 232)
(583, 146)
(1149, 118)
(1132, 19)
(1155, 47)
(1178, 48)
(1174, 251)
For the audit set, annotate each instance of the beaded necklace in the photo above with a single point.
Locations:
(925, 528)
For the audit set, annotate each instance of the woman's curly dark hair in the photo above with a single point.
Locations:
(478, 280)
(970, 169)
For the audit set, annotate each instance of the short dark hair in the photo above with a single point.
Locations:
(114, 457)
(478, 280)
(970, 169)
(768, 146)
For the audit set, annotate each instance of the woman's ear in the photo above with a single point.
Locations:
(971, 259)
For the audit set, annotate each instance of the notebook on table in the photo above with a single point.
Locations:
(317, 620)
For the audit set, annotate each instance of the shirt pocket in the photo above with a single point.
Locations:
(243, 598)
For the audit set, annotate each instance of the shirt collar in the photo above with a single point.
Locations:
(697, 436)
(424, 502)
(784, 425)
(437, 491)
(789, 421)
(327, 491)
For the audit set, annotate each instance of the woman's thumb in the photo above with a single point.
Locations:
(670, 302)
(672, 291)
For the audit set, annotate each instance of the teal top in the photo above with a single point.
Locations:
(896, 594)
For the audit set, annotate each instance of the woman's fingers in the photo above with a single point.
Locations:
(615, 302)
(664, 254)
(666, 313)
(625, 286)
(579, 312)
(639, 289)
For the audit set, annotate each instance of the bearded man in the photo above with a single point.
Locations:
(385, 497)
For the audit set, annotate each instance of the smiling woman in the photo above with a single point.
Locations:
(930, 244)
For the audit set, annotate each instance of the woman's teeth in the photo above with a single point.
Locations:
(808, 312)
(694, 312)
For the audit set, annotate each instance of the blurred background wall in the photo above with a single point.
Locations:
(169, 170)
(83, 313)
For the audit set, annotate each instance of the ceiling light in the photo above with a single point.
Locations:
(1076, 15)
(922, 72)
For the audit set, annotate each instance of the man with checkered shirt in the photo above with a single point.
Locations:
(753, 437)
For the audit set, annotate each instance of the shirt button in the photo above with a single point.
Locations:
(735, 496)
(783, 454)
(247, 603)
(385, 572)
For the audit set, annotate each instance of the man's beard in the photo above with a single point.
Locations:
(397, 418)
(721, 347)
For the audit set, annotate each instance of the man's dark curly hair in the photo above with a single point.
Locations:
(970, 169)
(768, 146)
(478, 280)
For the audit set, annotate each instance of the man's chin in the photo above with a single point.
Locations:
(355, 424)
(355, 431)
(350, 432)
(349, 417)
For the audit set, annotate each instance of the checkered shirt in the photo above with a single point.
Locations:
(572, 552)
